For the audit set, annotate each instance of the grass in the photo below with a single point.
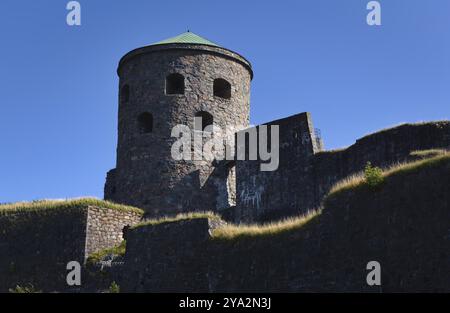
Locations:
(358, 180)
(233, 231)
(64, 204)
(176, 218)
(26, 289)
(117, 250)
(428, 153)
(437, 123)
(114, 288)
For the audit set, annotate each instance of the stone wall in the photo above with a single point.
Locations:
(306, 174)
(146, 175)
(36, 245)
(267, 195)
(383, 149)
(105, 227)
(403, 225)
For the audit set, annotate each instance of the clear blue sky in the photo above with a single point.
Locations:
(58, 107)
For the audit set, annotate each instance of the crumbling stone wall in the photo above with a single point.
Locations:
(146, 175)
(306, 174)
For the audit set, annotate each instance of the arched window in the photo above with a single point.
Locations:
(202, 120)
(175, 84)
(222, 88)
(125, 94)
(145, 123)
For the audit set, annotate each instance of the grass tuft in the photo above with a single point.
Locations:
(233, 231)
(114, 288)
(428, 153)
(176, 218)
(64, 204)
(117, 250)
(25, 289)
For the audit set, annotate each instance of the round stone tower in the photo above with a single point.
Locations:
(168, 84)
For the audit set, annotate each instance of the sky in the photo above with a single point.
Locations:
(58, 83)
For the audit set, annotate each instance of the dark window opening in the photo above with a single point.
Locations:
(203, 119)
(222, 88)
(125, 94)
(145, 123)
(175, 84)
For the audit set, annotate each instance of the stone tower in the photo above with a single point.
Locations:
(164, 85)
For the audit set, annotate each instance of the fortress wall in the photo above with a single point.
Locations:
(306, 174)
(167, 257)
(105, 227)
(328, 254)
(35, 247)
(382, 149)
(270, 195)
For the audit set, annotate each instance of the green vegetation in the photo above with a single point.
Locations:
(178, 217)
(27, 289)
(64, 204)
(114, 288)
(358, 181)
(117, 250)
(233, 231)
(373, 175)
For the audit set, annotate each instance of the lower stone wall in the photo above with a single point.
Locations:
(36, 246)
(404, 226)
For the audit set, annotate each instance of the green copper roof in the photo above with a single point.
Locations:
(187, 37)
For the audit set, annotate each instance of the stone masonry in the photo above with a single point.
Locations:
(105, 227)
(146, 175)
